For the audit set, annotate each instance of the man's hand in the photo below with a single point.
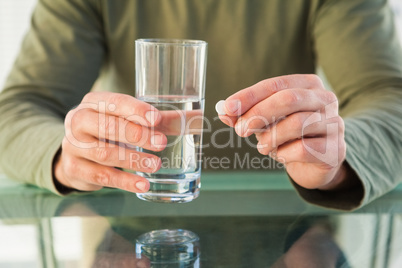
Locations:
(101, 135)
(296, 122)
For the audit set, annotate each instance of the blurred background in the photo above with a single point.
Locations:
(14, 22)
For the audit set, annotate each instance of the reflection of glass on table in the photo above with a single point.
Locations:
(169, 248)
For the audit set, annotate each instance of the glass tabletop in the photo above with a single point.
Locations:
(240, 220)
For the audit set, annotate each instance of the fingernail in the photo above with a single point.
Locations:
(233, 106)
(262, 146)
(156, 141)
(142, 186)
(151, 116)
(247, 133)
(239, 128)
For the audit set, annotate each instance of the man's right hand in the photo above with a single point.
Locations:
(101, 135)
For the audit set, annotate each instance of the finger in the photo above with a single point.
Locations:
(87, 124)
(242, 101)
(112, 155)
(181, 122)
(228, 120)
(122, 105)
(293, 127)
(283, 104)
(325, 151)
(86, 175)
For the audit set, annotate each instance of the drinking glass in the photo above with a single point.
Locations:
(170, 75)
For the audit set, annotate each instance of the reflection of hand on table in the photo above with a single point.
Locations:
(120, 260)
(116, 251)
(102, 246)
(316, 248)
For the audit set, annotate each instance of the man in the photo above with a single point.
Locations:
(336, 160)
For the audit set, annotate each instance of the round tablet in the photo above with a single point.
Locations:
(220, 107)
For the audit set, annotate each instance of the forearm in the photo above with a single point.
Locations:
(59, 61)
(373, 135)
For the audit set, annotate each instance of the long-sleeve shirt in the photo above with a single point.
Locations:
(71, 44)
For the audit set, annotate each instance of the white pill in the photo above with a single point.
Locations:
(220, 107)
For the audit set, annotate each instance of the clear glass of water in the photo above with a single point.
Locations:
(170, 75)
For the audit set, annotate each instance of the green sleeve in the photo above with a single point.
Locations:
(59, 61)
(357, 46)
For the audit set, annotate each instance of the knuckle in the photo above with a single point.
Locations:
(74, 119)
(116, 98)
(296, 121)
(314, 80)
(276, 84)
(102, 154)
(102, 177)
(68, 119)
(290, 98)
(250, 95)
(330, 97)
(341, 124)
(77, 119)
(69, 165)
(89, 96)
(110, 127)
